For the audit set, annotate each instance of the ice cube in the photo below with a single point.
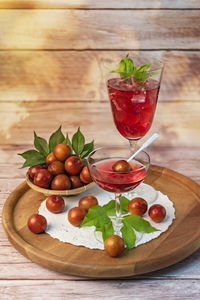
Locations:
(139, 97)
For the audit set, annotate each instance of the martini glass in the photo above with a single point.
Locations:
(100, 163)
(133, 103)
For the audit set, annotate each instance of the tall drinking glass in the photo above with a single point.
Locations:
(133, 102)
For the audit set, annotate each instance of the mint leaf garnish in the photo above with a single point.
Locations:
(128, 235)
(56, 138)
(96, 216)
(41, 145)
(124, 204)
(99, 216)
(78, 142)
(110, 206)
(139, 224)
(106, 230)
(132, 223)
(127, 69)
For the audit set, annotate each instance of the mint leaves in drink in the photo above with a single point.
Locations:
(127, 69)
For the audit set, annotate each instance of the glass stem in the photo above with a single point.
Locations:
(133, 144)
(118, 205)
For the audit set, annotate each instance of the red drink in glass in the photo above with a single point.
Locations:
(133, 105)
(111, 181)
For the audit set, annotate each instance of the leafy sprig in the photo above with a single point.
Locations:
(43, 148)
(99, 216)
(127, 69)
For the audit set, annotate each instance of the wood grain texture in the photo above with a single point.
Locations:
(91, 29)
(181, 159)
(170, 247)
(15, 266)
(177, 123)
(184, 160)
(74, 75)
(30, 76)
(93, 4)
(109, 289)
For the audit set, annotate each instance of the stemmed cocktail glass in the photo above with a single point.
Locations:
(101, 162)
(133, 102)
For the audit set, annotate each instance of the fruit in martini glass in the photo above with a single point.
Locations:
(111, 171)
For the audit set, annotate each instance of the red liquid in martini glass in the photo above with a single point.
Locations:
(111, 181)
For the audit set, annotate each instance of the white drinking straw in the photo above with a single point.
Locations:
(145, 145)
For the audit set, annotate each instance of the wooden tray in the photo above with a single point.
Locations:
(181, 240)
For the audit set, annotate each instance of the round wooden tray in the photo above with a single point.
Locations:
(181, 240)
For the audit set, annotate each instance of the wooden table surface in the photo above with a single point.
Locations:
(51, 56)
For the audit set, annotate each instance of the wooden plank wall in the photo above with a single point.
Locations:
(51, 58)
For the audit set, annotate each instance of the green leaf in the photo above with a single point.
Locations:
(142, 76)
(41, 145)
(78, 142)
(122, 66)
(110, 207)
(129, 64)
(142, 68)
(28, 153)
(87, 149)
(124, 204)
(128, 235)
(56, 138)
(68, 142)
(139, 224)
(127, 69)
(32, 158)
(106, 230)
(96, 216)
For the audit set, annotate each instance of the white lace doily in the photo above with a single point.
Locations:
(60, 228)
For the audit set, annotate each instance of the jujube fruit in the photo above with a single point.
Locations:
(121, 166)
(33, 170)
(42, 178)
(76, 216)
(50, 158)
(137, 206)
(85, 175)
(114, 245)
(157, 213)
(56, 168)
(62, 151)
(61, 182)
(55, 204)
(73, 165)
(37, 223)
(87, 202)
(75, 181)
